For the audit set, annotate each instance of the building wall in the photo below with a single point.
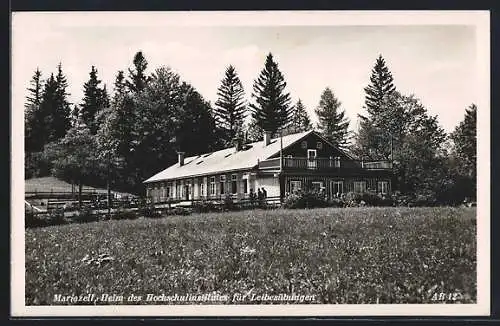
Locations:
(372, 183)
(176, 190)
(270, 183)
(323, 149)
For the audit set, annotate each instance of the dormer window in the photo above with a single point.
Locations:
(303, 145)
(319, 145)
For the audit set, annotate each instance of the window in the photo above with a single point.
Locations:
(212, 186)
(295, 185)
(317, 185)
(336, 162)
(319, 145)
(337, 187)
(202, 187)
(167, 190)
(245, 186)
(303, 144)
(383, 187)
(311, 159)
(222, 183)
(234, 184)
(360, 186)
(178, 189)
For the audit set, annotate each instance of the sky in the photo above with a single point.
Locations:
(434, 59)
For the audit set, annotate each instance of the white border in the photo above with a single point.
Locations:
(480, 19)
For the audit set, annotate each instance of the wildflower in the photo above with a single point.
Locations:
(247, 250)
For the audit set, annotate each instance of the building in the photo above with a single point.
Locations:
(304, 161)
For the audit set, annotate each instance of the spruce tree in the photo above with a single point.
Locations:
(271, 110)
(35, 90)
(119, 86)
(380, 97)
(32, 105)
(137, 76)
(333, 124)
(381, 85)
(61, 120)
(94, 101)
(300, 121)
(230, 107)
(42, 127)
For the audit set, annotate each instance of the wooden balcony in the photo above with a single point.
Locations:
(304, 163)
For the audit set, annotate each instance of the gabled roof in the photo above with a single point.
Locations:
(227, 159)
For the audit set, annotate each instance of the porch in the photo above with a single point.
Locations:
(322, 164)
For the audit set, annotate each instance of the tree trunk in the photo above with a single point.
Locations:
(80, 186)
(109, 195)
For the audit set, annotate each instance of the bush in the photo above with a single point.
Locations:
(85, 215)
(181, 211)
(148, 210)
(124, 215)
(423, 198)
(56, 217)
(336, 202)
(228, 203)
(204, 207)
(354, 199)
(32, 220)
(305, 200)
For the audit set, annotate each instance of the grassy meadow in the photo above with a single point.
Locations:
(348, 255)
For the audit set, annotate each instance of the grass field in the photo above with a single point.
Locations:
(358, 255)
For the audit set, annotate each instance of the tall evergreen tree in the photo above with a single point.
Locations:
(35, 90)
(32, 105)
(381, 85)
(137, 76)
(43, 119)
(271, 110)
(61, 120)
(380, 95)
(119, 86)
(94, 101)
(333, 124)
(230, 107)
(300, 120)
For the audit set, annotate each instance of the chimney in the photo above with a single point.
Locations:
(267, 137)
(181, 158)
(237, 144)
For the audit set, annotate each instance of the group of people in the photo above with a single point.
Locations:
(260, 196)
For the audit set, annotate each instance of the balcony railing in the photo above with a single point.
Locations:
(304, 163)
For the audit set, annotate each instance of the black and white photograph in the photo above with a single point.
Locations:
(250, 163)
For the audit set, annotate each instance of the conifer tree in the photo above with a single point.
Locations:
(137, 76)
(94, 101)
(61, 120)
(271, 110)
(119, 86)
(35, 90)
(300, 120)
(381, 85)
(32, 105)
(230, 107)
(379, 101)
(333, 124)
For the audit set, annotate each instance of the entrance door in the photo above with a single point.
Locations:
(311, 159)
(336, 188)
